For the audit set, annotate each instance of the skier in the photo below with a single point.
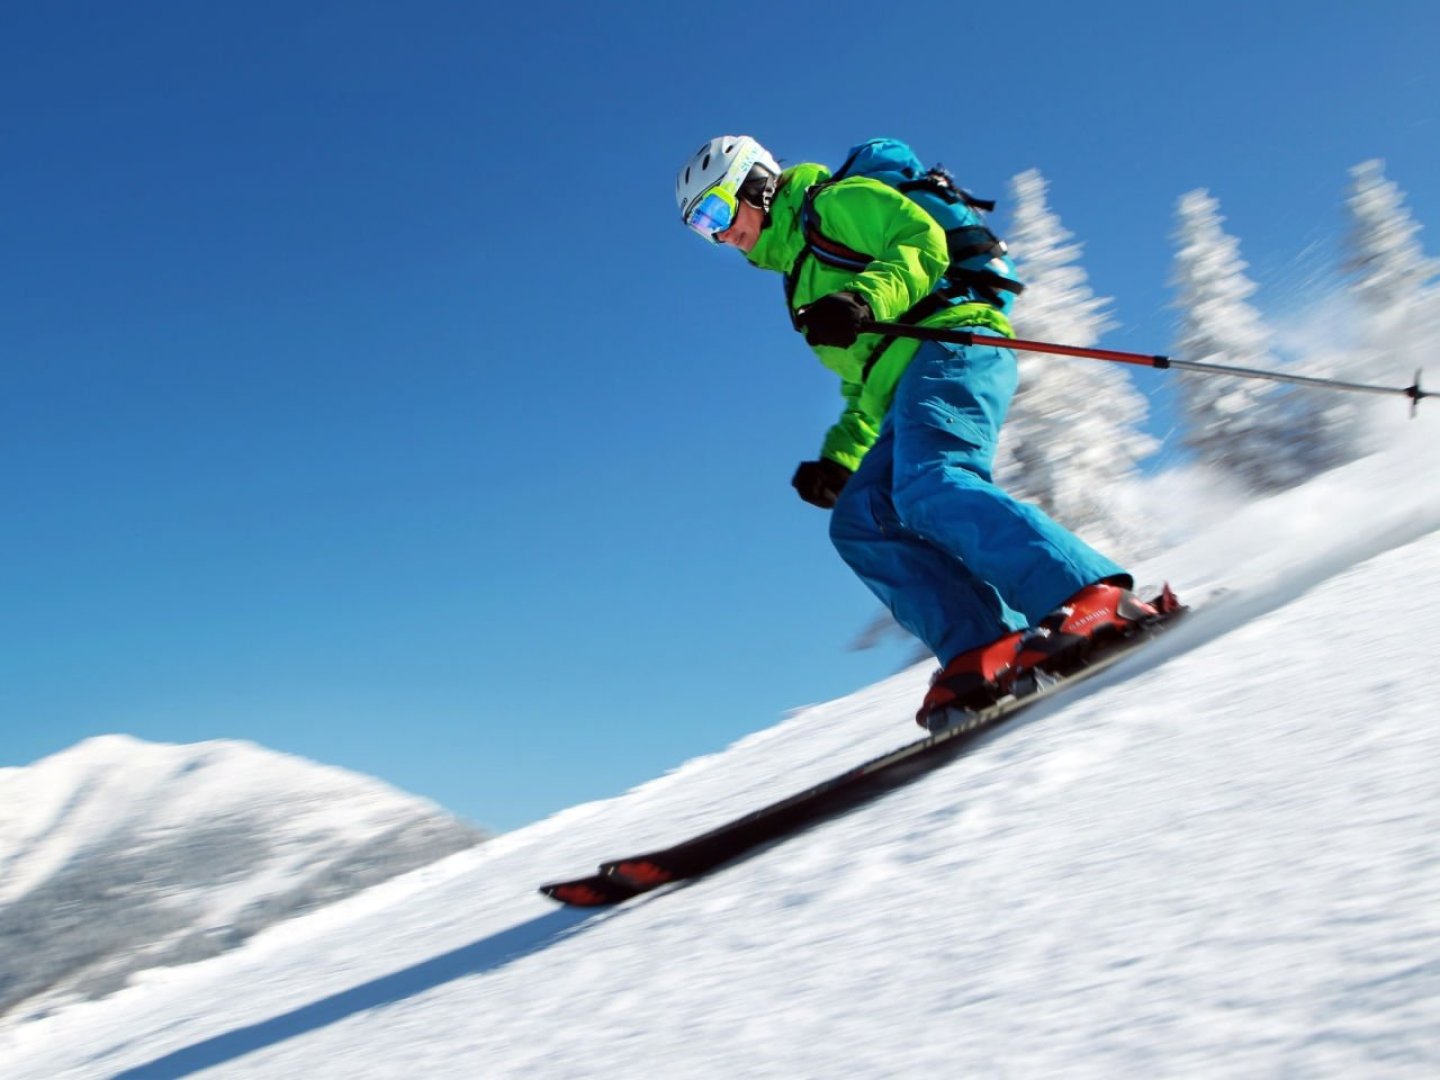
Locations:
(991, 585)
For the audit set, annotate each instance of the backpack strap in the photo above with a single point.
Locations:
(830, 252)
(939, 181)
(971, 240)
(984, 284)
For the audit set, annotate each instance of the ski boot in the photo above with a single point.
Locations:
(1062, 640)
(972, 681)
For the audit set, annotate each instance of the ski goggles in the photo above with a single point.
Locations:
(714, 213)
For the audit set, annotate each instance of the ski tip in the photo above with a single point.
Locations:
(595, 891)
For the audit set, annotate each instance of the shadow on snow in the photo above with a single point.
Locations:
(477, 958)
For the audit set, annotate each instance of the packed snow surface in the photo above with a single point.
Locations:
(1218, 860)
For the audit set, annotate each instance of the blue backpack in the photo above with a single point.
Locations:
(980, 269)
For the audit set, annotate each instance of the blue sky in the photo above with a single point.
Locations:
(361, 395)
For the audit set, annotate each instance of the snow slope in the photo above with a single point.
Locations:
(117, 855)
(1220, 861)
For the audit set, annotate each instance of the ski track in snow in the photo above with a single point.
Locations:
(1218, 860)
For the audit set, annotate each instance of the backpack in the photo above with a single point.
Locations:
(980, 269)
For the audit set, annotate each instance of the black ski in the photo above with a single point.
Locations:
(622, 879)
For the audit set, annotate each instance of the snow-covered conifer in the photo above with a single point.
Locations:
(1267, 435)
(1391, 274)
(1390, 277)
(1074, 438)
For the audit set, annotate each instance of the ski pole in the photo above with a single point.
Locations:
(965, 337)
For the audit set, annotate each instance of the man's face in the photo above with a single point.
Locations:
(745, 229)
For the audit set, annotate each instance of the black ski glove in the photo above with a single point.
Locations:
(835, 319)
(820, 482)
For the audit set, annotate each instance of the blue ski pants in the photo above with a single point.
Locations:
(956, 560)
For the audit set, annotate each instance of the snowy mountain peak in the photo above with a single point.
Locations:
(118, 854)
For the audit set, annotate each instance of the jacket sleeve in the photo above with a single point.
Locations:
(906, 245)
(855, 432)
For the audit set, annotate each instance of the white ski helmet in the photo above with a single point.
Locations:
(733, 167)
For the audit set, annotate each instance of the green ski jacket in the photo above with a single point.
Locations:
(909, 259)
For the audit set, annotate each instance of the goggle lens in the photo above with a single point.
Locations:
(713, 214)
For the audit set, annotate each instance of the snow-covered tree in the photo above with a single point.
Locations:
(1391, 273)
(1390, 276)
(1267, 435)
(1073, 440)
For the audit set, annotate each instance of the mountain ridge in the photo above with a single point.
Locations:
(118, 854)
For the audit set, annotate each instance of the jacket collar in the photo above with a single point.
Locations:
(782, 239)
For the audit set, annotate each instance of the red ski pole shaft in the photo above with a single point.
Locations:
(966, 337)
